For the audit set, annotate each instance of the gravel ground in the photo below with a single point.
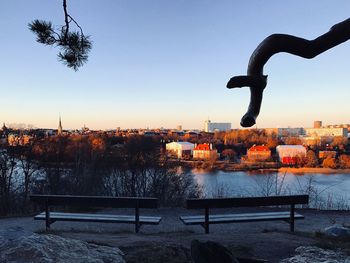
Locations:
(170, 240)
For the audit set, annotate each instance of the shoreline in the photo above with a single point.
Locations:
(261, 168)
(313, 170)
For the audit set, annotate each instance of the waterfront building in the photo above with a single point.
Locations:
(290, 154)
(180, 149)
(259, 153)
(205, 151)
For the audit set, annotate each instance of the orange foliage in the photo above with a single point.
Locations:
(344, 161)
(329, 162)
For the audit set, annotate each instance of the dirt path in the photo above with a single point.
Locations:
(170, 241)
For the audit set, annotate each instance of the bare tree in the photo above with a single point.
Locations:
(7, 172)
(28, 166)
(141, 170)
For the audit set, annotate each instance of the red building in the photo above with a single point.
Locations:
(259, 153)
(291, 154)
(204, 151)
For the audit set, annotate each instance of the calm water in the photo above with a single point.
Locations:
(327, 191)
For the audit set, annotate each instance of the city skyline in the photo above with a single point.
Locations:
(59, 127)
(163, 63)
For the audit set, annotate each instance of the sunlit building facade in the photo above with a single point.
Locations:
(216, 126)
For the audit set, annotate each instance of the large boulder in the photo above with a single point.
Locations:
(316, 255)
(210, 252)
(337, 231)
(18, 245)
(213, 252)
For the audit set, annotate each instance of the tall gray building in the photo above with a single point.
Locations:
(216, 126)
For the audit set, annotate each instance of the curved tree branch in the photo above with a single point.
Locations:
(277, 43)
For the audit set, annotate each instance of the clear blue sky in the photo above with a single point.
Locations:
(166, 62)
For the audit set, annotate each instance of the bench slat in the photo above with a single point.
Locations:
(246, 201)
(233, 218)
(105, 218)
(286, 213)
(96, 201)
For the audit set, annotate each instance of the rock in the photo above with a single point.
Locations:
(316, 255)
(337, 231)
(146, 252)
(210, 252)
(18, 245)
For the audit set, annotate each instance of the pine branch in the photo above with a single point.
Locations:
(74, 45)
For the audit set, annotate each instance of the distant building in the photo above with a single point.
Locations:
(4, 130)
(259, 153)
(59, 130)
(149, 133)
(180, 149)
(326, 132)
(18, 140)
(179, 127)
(290, 154)
(311, 141)
(191, 135)
(317, 124)
(176, 133)
(205, 151)
(285, 132)
(216, 126)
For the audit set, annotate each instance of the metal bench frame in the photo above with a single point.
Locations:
(207, 204)
(96, 201)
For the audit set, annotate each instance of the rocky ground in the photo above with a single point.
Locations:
(170, 241)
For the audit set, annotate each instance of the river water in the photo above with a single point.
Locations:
(327, 191)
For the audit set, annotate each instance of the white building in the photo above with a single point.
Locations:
(180, 149)
(216, 126)
(285, 152)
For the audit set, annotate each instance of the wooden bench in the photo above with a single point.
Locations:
(96, 201)
(206, 204)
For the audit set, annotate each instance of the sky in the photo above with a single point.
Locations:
(163, 63)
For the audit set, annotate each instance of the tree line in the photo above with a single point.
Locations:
(90, 165)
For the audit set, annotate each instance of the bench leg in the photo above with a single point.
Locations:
(137, 218)
(47, 215)
(206, 223)
(137, 227)
(47, 225)
(291, 221)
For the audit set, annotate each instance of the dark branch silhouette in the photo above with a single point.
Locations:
(74, 45)
(276, 43)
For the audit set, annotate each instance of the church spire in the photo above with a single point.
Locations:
(59, 130)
